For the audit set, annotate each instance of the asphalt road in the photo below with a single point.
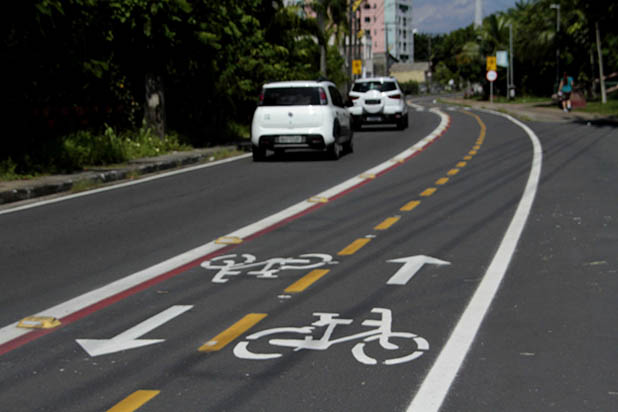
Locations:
(475, 270)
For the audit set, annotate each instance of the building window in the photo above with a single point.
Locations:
(367, 19)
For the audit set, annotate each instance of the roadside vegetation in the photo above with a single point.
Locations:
(92, 82)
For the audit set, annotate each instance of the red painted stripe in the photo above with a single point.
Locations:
(35, 334)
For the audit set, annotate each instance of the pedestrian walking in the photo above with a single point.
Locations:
(565, 89)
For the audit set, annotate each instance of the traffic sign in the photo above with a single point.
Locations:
(357, 67)
(492, 75)
(491, 63)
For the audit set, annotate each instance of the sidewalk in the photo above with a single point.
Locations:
(535, 112)
(19, 190)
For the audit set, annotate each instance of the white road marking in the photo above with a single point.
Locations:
(62, 310)
(129, 338)
(438, 381)
(125, 184)
(411, 265)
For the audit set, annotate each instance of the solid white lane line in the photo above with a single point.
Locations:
(438, 381)
(11, 332)
(125, 184)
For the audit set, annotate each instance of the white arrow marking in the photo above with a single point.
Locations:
(129, 338)
(411, 265)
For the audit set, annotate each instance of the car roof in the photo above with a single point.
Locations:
(375, 79)
(299, 83)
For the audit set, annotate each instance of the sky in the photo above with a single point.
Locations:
(444, 16)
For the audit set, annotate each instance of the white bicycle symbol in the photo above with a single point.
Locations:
(232, 265)
(382, 334)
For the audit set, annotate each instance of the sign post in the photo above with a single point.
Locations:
(491, 76)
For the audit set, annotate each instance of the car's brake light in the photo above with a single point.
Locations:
(261, 102)
(395, 96)
(352, 97)
(323, 100)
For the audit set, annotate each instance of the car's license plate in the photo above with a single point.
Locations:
(290, 139)
(374, 118)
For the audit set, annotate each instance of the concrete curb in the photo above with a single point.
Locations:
(19, 190)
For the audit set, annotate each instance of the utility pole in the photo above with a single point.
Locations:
(511, 69)
(601, 76)
(350, 34)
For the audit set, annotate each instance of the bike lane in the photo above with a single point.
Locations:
(355, 289)
(435, 207)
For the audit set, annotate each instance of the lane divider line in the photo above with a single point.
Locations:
(438, 381)
(442, 181)
(452, 172)
(134, 401)
(354, 247)
(221, 340)
(408, 207)
(12, 337)
(428, 192)
(387, 223)
(306, 281)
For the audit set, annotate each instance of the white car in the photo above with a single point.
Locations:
(307, 115)
(378, 100)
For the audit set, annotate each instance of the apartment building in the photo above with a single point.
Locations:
(386, 25)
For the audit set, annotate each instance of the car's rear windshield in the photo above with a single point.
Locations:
(291, 96)
(363, 87)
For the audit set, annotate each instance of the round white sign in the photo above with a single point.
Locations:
(492, 75)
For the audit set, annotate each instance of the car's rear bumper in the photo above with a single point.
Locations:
(296, 141)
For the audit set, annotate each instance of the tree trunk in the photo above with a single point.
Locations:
(600, 52)
(154, 111)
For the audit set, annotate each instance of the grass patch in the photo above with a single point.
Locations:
(85, 148)
(608, 109)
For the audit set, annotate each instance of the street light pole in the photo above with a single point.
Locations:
(414, 31)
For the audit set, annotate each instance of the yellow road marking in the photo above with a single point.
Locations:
(428, 192)
(229, 240)
(231, 333)
(472, 152)
(477, 147)
(442, 181)
(354, 246)
(39, 322)
(318, 199)
(306, 281)
(467, 157)
(388, 222)
(134, 401)
(410, 205)
(461, 164)
(452, 172)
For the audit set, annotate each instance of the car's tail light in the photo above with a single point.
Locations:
(395, 96)
(261, 102)
(323, 99)
(352, 97)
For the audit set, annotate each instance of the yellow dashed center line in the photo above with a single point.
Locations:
(410, 206)
(388, 222)
(461, 164)
(354, 247)
(231, 333)
(134, 401)
(306, 281)
(452, 172)
(467, 157)
(442, 181)
(428, 192)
